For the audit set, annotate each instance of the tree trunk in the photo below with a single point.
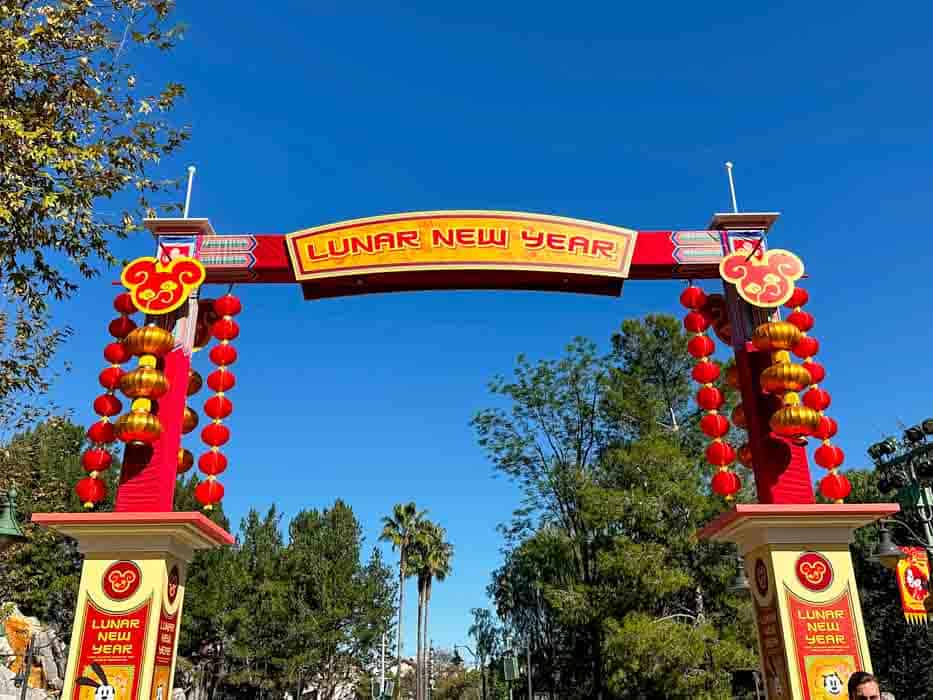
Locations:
(401, 600)
(427, 639)
(482, 675)
(298, 689)
(419, 656)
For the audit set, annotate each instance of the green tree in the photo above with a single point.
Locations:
(486, 635)
(339, 607)
(602, 552)
(42, 574)
(399, 530)
(78, 126)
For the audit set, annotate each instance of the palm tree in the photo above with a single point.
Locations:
(434, 563)
(399, 530)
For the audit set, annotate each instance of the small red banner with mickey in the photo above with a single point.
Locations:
(913, 582)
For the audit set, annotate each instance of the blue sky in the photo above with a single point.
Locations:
(306, 113)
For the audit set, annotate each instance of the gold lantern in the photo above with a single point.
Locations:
(189, 421)
(150, 340)
(794, 420)
(144, 383)
(783, 377)
(138, 428)
(776, 335)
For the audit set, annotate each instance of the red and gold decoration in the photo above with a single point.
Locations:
(218, 407)
(913, 582)
(160, 288)
(767, 280)
(185, 458)
(145, 385)
(834, 486)
(719, 453)
(97, 458)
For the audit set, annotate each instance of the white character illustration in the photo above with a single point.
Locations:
(832, 683)
(102, 690)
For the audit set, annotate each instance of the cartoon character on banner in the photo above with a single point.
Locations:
(102, 690)
(827, 676)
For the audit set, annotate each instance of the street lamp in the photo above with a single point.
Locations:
(10, 532)
(740, 583)
(887, 553)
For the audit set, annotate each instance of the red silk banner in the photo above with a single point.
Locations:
(913, 582)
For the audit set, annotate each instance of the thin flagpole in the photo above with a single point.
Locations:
(191, 180)
(735, 206)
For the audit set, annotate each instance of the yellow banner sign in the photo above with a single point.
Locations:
(461, 240)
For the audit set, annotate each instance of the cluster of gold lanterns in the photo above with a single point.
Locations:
(145, 385)
(801, 417)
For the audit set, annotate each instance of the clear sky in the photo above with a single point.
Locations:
(305, 113)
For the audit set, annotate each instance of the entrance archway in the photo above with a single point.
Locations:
(137, 556)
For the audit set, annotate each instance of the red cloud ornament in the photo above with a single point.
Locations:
(768, 281)
(159, 288)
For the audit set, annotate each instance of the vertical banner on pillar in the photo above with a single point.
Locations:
(826, 645)
(111, 653)
(913, 577)
(770, 634)
(164, 656)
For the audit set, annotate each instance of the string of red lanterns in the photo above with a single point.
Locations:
(710, 398)
(97, 458)
(218, 407)
(834, 486)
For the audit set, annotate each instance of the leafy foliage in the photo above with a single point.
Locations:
(603, 575)
(78, 125)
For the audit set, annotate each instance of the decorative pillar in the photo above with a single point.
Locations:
(810, 631)
(165, 289)
(125, 633)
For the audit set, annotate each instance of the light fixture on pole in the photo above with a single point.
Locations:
(886, 553)
(740, 583)
(10, 532)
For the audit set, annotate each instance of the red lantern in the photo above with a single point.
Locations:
(720, 453)
(91, 491)
(107, 405)
(209, 492)
(110, 378)
(695, 322)
(215, 434)
(223, 354)
(817, 399)
(706, 372)
(121, 327)
(225, 329)
(806, 347)
(829, 456)
(693, 297)
(826, 429)
(816, 370)
(744, 455)
(218, 407)
(116, 353)
(212, 463)
(803, 320)
(227, 305)
(798, 298)
(835, 486)
(701, 346)
(123, 303)
(96, 460)
(709, 398)
(101, 432)
(714, 425)
(726, 483)
(221, 380)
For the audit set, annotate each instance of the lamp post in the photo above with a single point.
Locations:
(10, 532)
(382, 688)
